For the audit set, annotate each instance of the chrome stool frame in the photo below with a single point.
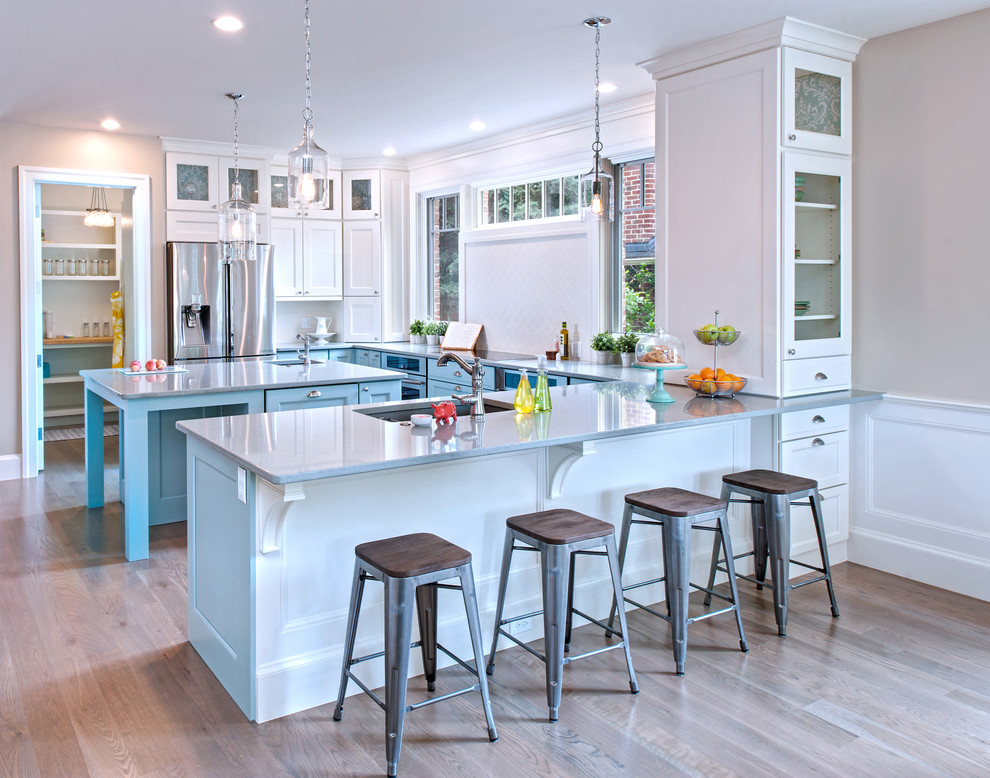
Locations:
(770, 512)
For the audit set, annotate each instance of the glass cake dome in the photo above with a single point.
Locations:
(660, 349)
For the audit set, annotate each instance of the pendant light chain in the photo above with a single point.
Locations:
(307, 111)
(237, 171)
(597, 145)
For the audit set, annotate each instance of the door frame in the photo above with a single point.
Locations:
(30, 179)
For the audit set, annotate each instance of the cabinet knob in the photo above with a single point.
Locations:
(821, 377)
(792, 137)
(366, 389)
(459, 388)
(816, 419)
(791, 351)
(457, 373)
(817, 442)
(298, 291)
(314, 393)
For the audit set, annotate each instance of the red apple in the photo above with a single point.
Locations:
(160, 364)
(135, 366)
(150, 365)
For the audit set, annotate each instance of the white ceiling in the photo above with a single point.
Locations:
(385, 72)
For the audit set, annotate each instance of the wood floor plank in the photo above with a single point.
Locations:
(96, 677)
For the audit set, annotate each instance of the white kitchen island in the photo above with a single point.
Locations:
(277, 502)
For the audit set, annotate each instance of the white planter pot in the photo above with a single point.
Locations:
(432, 340)
(417, 339)
(601, 357)
(627, 358)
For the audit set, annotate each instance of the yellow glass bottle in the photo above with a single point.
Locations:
(523, 402)
(541, 402)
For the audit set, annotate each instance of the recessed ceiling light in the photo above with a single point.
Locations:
(110, 124)
(477, 125)
(388, 151)
(605, 88)
(227, 23)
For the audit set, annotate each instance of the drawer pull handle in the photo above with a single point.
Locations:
(792, 137)
(366, 389)
(791, 351)
(817, 419)
(817, 442)
(459, 388)
(821, 377)
(457, 373)
(314, 393)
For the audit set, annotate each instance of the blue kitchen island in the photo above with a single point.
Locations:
(153, 453)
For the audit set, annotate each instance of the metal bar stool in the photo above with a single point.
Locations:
(558, 535)
(408, 565)
(770, 496)
(678, 511)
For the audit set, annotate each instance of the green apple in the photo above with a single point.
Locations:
(726, 333)
(708, 333)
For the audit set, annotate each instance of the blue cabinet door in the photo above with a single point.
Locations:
(296, 397)
(379, 392)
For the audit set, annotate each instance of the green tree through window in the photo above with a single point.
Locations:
(444, 232)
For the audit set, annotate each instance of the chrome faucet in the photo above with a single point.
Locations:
(304, 355)
(475, 400)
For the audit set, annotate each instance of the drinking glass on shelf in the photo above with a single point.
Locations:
(94, 267)
(46, 266)
(60, 267)
(85, 329)
(72, 266)
(104, 267)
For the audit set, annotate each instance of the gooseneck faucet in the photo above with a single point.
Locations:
(304, 356)
(475, 400)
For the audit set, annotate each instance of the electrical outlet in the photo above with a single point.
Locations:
(306, 323)
(523, 625)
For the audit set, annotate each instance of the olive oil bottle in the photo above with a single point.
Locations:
(564, 342)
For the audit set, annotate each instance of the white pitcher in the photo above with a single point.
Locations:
(322, 325)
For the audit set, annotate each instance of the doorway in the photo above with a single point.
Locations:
(50, 200)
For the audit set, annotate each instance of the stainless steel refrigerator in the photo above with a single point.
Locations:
(218, 311)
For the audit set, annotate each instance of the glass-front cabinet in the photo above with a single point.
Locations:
(816, 247)
(362, 194)
(817, 94)
(193, 181)
(279, 194)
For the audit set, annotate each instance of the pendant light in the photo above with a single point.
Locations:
(238, 221)
(596, 185)
(98, 215)
(309, 165)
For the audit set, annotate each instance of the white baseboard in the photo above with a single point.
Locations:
(10, 467)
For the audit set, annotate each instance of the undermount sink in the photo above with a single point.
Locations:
(295, 361)
(404, 412)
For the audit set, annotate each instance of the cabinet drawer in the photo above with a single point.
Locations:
(454, 373)
(803, 424)
(379, 391)
(823, 374)
(443, 389)
(823, 457)
(295, 397)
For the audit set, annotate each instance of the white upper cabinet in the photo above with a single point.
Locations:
(307, 259)
(363, 258)
(279, 195)
(362, 194)
(200, 182)
(817, 96)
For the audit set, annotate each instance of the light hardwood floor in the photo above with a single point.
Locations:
(96, 678)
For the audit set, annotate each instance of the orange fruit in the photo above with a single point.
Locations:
(707, 372)
(719, 374)
(708, 386)
(694, 377)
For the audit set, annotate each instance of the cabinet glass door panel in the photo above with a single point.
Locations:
(279, 195)
(253, 174)
(362, 194)
(816, 246)
(817, 93)
(191, 182)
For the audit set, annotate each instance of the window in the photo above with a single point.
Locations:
(547, 198)
(444, 233)
(635, 247)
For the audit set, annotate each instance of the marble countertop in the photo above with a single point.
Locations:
(243, 375)
(284, 447)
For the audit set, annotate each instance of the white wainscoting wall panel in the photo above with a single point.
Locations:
(919, 501)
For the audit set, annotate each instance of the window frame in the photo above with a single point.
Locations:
(525, 183)
(616, 269)
(457, 197)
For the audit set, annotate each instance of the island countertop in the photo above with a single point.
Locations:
(285, 447)
(243, 375)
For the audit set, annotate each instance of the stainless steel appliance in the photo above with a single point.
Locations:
(414, 383)
(218, 311)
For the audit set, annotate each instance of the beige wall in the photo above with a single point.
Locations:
(921, 276)
(26, 145)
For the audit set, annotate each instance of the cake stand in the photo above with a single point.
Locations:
(659, 395)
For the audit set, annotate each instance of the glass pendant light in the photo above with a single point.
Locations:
(596, 185)
(309, 165)
(98, 215)
(238, 221)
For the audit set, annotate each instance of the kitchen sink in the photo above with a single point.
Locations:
(294, 361)
(403, 412)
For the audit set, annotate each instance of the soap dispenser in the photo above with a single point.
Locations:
(523, 402)
(542, 400)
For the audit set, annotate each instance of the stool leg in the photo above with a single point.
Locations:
(500, 600)
(570, 604)
(614, 568)
(426, 613)
(716, 547)
(816, 512)
(778, 533)
(676, 561)
(758, 516)
(398, 635)
(357, 591)
(554, 561)
(723, 535)
(466, 574)
(623, 542)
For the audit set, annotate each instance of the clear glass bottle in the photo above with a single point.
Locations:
(523, 402)
(541, 402)
(104, 267)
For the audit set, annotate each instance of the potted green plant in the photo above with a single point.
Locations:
(625, 347)
(442, 328)
(602, 346)
(417, 331)
(432, 332)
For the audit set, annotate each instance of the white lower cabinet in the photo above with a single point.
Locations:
(362, 319)
(307, 258)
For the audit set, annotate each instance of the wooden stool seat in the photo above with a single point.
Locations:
(770, 481)
(560, 526)
(407, 556)
(674, 502)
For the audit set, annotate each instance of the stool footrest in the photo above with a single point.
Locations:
(709, 614)
(365, 689)
(646, 608)
(809, 581)
(518, 642)
(601, 624)
(630, 587)
(520, 618)
(602, 650)
(457, 659)
(443, 697)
